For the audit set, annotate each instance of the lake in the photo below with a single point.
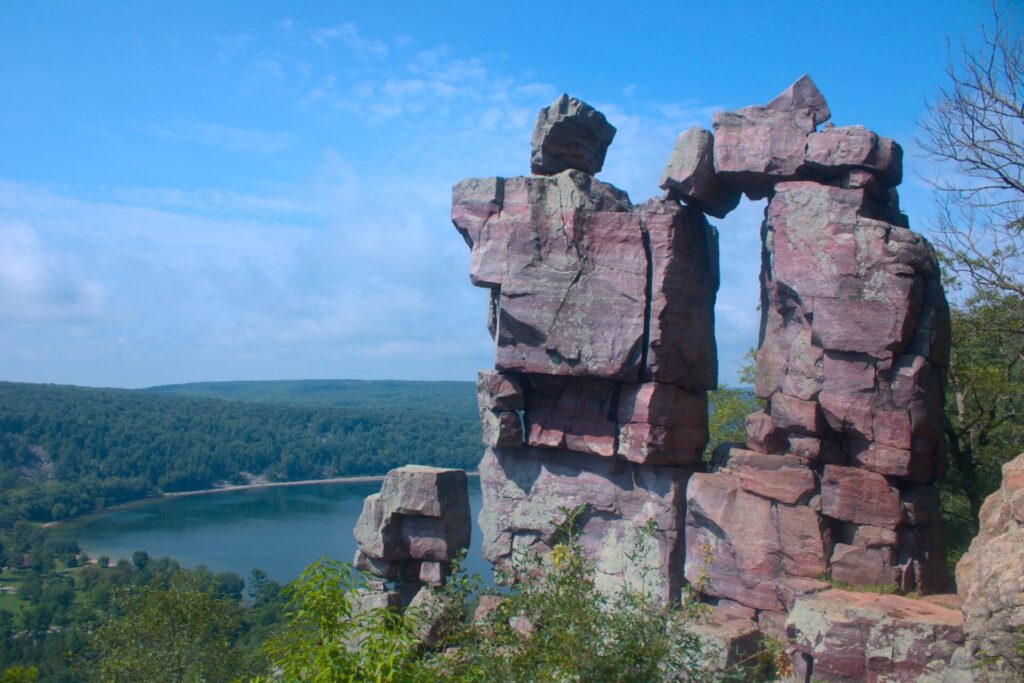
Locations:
(280, 529)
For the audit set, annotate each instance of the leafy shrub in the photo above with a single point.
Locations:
(555, 626)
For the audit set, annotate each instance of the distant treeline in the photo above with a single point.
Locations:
(68, 450)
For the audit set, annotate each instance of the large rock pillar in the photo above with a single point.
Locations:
(603, 319)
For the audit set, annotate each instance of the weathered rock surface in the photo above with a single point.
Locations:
(784, 478)
(565, 257)
(661, 424)
(573, 413)
(416, 524)
(837, 151)
(690, 175)
(845, 636)
(743, 547)
(730, 642)
(803, 95)
(990, 581)
(525, 490)
(684, 283)
(570, 134)
(499, 391)
(757, 146)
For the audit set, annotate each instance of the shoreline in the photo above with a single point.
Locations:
(359, 479)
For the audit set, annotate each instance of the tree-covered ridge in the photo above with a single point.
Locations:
(67, 450)
(448, 398)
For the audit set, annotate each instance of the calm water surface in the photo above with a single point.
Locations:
(278, 529)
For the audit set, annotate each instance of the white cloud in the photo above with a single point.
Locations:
(220, 136)
(38, 284)
(347, 34)
(351, 270)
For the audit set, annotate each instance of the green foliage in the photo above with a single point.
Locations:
(328, 639)
(19, 674)
(557, 626)
(728, 408)
(175, 632)
(727, 413)
(984, 421)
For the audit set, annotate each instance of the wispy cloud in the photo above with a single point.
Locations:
(347, 34)
(40, 284)
(351, 268)
(230, 138)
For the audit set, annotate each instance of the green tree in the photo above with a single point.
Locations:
(975, 131)
(328, 639)
(175, 632)
(20, 674)
(728, 407)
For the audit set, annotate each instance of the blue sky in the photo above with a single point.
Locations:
(213, 191)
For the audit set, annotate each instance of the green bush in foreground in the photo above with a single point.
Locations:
(555, 627)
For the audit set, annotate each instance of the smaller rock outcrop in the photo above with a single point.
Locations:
(990, 581)
(842, 636)
(690, 174)
(570, 134)
(410, 532)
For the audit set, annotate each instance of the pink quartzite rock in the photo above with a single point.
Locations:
(743, 547)
(785, 478)
(837, 151)
(566, 256)
(498, 391)
(802, 95)
(420, 513)
(684, 283)
(690, 174)
(572, 413)
(763, 435)
(865, 556)
(990, 581)
(862, 279)
(661, 424)
(524, 491)
(501, 428)
(731, 643)
(756, 147)
(570, 134)
(854, 495)
(793, 415)
(846, 636)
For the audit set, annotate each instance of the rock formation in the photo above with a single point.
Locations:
(836, 478)
(603, 318)
(409, 533)
(990, 581)
(602, 313)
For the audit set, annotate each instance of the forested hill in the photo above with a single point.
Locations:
(66, 450)
(457, 399)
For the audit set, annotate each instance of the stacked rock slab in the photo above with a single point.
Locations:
(408, 533)
(836, 476)
(603, 318)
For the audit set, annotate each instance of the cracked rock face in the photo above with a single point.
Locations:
(603, 317)
(990, 581)
(411, 530)
(525, 490)
(845, 636)
(851, 363)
